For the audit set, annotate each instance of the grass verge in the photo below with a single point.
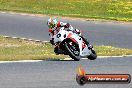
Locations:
(18, 49)
(120, 10)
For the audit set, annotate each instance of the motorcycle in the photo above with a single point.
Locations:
(70, 43)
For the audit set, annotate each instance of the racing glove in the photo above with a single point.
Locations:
(67, 25)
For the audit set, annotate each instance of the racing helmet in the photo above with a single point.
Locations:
(51, 23)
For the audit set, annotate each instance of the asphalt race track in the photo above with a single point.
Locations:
(61, 74)
(100, 33)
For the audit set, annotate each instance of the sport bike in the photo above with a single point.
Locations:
(70, 43)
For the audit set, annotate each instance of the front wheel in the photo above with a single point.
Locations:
(73, 50)
(93, 55)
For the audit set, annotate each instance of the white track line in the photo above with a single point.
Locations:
(102, 57)
(21, 61)
(25, 39)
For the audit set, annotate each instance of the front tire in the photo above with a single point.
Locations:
(71, 53)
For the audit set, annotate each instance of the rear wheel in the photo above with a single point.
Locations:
(72, 50)
(93, 55)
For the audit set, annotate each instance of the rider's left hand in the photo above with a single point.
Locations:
(67, 25)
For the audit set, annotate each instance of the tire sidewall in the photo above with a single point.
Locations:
(71, 54)
(93, 55)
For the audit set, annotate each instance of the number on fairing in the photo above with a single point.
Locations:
(59, 35)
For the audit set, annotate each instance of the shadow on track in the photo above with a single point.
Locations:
(58, 60)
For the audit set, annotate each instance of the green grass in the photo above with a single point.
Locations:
(99, 9)
(17, 49)
(112, 51)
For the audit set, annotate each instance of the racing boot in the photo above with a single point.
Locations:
(58, 51)
(90, 47)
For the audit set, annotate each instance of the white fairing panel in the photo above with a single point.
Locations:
(62, 34)
(59, 37)
(86, 51)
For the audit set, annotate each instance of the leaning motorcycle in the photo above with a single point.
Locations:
(69, 43)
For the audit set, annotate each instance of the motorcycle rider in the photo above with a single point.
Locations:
(53, 24)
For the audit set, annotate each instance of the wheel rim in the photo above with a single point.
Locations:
(73, 47)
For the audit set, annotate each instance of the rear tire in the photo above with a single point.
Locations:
(92, 56)
(70, 53)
